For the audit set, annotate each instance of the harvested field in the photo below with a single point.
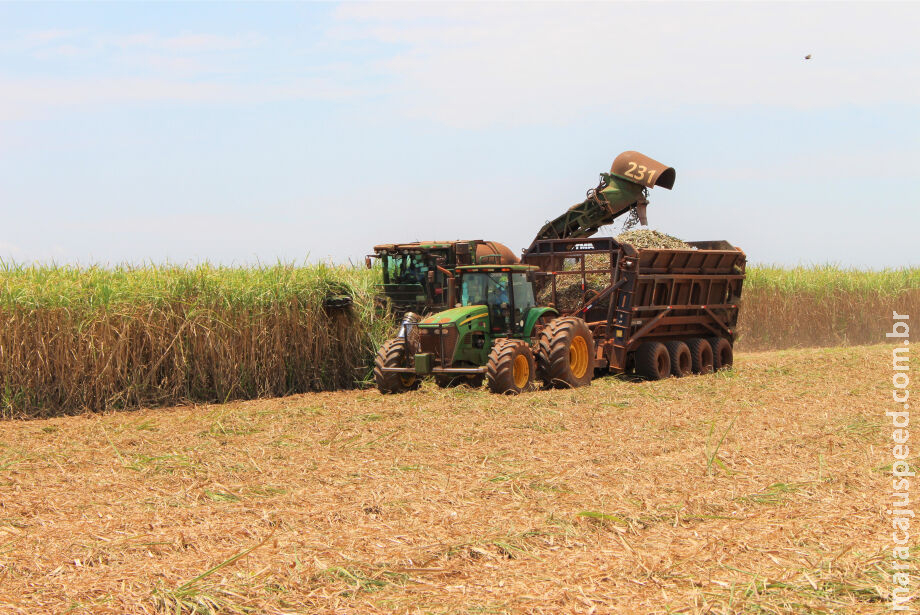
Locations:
(756, 490)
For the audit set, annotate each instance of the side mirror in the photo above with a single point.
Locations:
(367, 262)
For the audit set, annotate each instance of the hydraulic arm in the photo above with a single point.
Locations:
(619, 191)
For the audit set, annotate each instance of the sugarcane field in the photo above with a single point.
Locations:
(357, 308)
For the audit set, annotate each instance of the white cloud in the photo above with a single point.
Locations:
(476, 64)
(89, 71)
(26, 97)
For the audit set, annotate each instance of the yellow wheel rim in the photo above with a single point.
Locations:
(578, 356)
(407, 379)
(521, 371)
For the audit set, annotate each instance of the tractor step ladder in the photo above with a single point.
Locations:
(621, 320)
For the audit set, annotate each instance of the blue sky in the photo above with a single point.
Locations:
(237, 133)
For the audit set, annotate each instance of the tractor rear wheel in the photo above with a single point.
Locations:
(565, 353)
(653, 361)
(446, 381)
(393, 354)
(722, 355)
(700, 355)
(510, 369)
(681, 362)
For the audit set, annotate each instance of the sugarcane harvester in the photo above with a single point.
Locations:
(418, 277)
(658, 313)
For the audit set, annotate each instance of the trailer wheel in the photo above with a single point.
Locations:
(700, 355)
(510, 369)
(565, 353)
(653, 361)
(393, 354)
(446, 381)
(681, 362)
(722, 355)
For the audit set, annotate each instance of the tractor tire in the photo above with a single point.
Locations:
(511, 368)
(392, 354)
(700, 355)
(653, 362)
(681, 361)
(722, 354)
(565, 353)
(474, 381)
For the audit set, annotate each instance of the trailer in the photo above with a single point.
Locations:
(657, 312)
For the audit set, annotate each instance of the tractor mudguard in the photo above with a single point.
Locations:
(534, 314)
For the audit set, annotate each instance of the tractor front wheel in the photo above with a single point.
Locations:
(393, 354)
(565, 355)
(510, 369)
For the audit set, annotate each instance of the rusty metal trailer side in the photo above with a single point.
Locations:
(650, 294)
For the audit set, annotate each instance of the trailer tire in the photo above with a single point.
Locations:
(653, 362)
(681, 361)
(393, 354)
(510, 369)
(722, 354)
(446, 381)
(700, 355)
(565, 353)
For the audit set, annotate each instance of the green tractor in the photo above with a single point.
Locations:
(497, 333)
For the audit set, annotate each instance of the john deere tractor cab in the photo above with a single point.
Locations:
(496, 333)
(419, 276)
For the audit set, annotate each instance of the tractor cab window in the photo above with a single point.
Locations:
(484, 289)
(523, 298)
(492, 290)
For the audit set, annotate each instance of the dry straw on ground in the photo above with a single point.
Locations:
(757, 490)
